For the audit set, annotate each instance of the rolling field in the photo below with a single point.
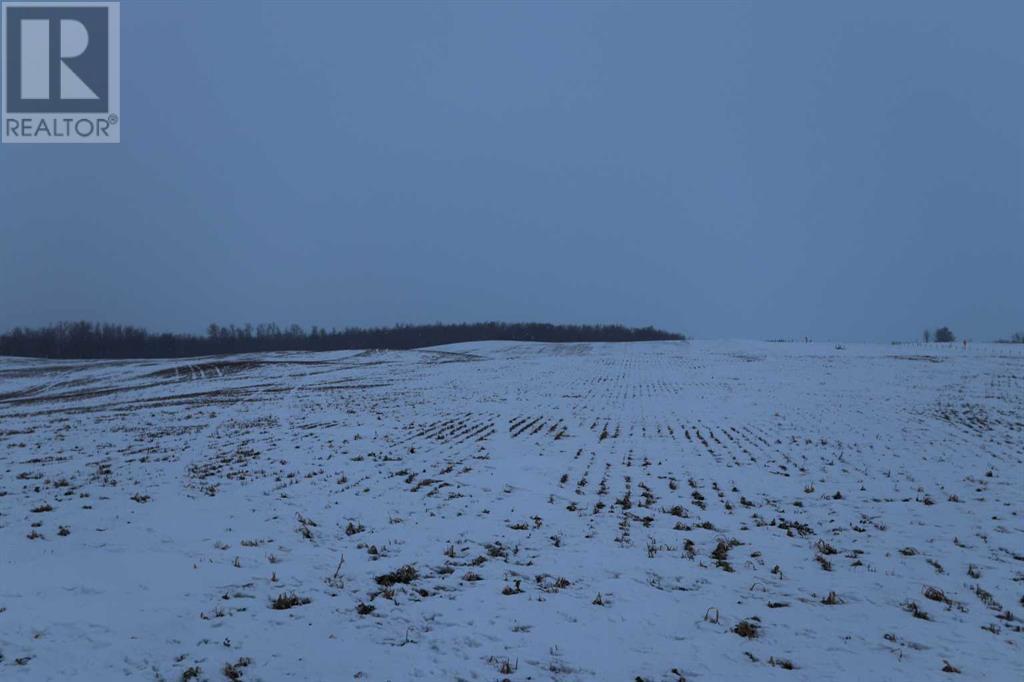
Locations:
(653, 511)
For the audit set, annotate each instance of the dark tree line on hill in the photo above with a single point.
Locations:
(91, 340)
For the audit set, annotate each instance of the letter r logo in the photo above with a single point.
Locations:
(35, 59)
(57, 58)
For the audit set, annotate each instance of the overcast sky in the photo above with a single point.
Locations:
(771, 169)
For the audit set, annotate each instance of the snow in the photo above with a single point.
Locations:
(194, 492)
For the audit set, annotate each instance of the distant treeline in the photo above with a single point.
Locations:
(91, 340)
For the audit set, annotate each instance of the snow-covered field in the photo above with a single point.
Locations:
(655, 511)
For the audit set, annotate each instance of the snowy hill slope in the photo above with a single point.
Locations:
(699, 510)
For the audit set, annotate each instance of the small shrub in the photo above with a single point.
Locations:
(935, 594)
(720, 554)
(746, 628)
(404, 575)
(831, 599)
(233, 671)
(509, 590)
(285, 601)
(825, 548)
(913, 609)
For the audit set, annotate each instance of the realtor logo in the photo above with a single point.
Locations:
(62, 72)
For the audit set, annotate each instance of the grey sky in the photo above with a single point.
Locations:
(841, 170)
